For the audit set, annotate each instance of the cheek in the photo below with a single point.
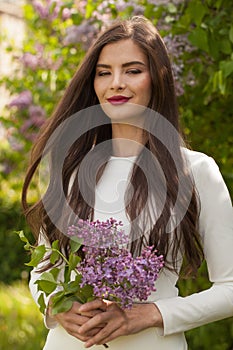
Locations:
(145, 86)
(96, 88)
(100, 89)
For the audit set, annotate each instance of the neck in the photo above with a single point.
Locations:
(127, 140)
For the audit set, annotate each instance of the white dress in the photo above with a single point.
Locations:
(179, 313)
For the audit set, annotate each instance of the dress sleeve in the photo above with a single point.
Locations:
(49, 321)
(216, 229)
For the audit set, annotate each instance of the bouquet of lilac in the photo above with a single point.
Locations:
(108, 270)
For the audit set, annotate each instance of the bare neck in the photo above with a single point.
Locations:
(127, 140)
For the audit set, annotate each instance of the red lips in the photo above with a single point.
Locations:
(118, 99)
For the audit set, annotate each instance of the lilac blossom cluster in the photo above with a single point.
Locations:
(99, 234)
(83, 33)
(178, 45)
(164, 2)
(41, 59)
(49, 9)
(36, 114)
(110, 268)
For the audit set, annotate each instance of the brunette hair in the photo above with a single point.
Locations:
(80, 95)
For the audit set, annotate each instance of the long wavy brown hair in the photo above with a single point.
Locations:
(85, 162)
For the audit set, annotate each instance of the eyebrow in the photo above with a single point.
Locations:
(127, 64)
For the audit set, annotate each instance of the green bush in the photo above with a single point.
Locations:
(21, 324)
(13, 256)
(215, 336)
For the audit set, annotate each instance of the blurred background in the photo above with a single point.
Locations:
(41, 45)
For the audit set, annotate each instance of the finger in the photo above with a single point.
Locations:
(90, 314)
(75, 306)
(103, 337)
(74, 319)
(106, 340)
(99, 321)
(84, 337)
(93, 305)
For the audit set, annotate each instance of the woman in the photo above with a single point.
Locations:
(129, 162)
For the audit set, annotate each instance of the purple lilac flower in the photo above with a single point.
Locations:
(176, 46)
(66, 13)
(36, 120)
(97, 234)
(81, 6)
(40, 59)
(121, 5)
(119, 277)
(84, 33)
(37, 115)
(30, 60)
(110, 268)
(45, 12)
(23, 100)
(138, 10)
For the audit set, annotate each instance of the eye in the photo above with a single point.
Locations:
(133, 71)
(103, 73)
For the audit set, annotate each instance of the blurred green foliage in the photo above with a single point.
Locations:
(200, 40)
(21, 324)
(12, 253)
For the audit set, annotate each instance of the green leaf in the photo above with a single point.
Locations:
(75, 245)
(197, 11)
(72, 287)
(87, 291)
(57, 298)
(22, 236)
(55, 244)
(37, 255)
(24, 239)
(231, 34)
(42, 303)
(47, 282)
(63, 304)
(55, 272)
(48, 276)
(55, 256)
(219, 82)
(46, 286)
(226, 67)
(225, 46)
(74, 260)
(199, 38)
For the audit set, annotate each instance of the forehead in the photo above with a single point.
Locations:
(122, 51)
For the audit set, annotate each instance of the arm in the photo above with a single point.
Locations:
(216, 228)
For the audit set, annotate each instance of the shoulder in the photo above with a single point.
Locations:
(199, 163)
(207, 177)
(204, 169)
(196, 159)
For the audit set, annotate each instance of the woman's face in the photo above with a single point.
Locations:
(122, 80)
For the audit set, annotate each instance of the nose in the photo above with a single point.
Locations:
(118, 82)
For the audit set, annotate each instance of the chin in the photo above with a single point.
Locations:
(124, 113)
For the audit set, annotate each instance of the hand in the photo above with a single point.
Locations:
(73, 319)
(116, 322)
